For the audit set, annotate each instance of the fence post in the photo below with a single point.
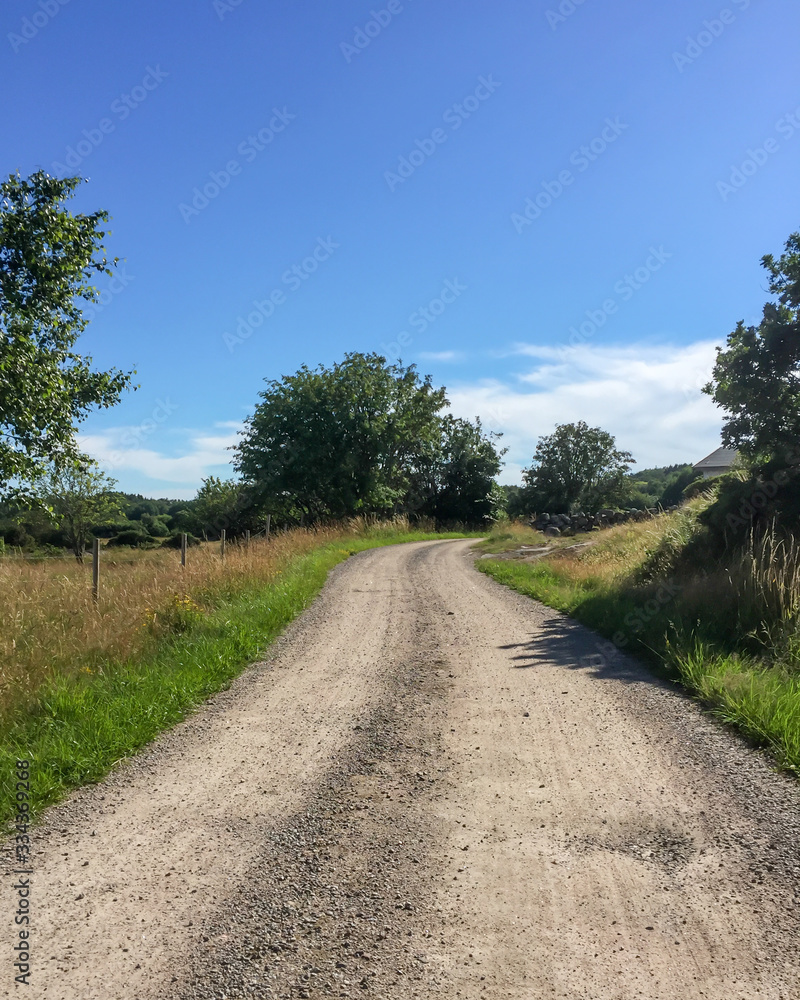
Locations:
(222, 544)
(184, 542)
(269, 520)
(95, 570)
(247, 538)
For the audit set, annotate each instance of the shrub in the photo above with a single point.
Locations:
(156, 527)
(129, 537)
(174, 541)
(115, 528)
(179, 614)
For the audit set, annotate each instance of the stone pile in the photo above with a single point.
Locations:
(570, 524)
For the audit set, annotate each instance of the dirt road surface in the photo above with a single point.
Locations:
(433, 787)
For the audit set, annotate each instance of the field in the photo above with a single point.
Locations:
(85, 685)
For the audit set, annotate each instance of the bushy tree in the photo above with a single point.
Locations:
(756, 377)
(358, 437)
(467, 464)
(364, 437)
(48, 258)
(577, 467)
(223, 504)
(516, 504)
(79, 497)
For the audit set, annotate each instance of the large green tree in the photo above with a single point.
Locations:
(358, 437)
(364, 437)
(223, 504)
(577, 467)
(756, 377)
(466, 467)
(48, 258)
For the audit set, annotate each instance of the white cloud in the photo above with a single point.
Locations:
(443, 356)
(647, 395)
(121, 450)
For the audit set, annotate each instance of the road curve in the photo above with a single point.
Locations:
(432, 787)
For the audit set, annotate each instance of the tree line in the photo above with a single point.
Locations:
(361, 437)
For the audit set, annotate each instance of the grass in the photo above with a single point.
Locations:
(728, 630)
(159, 644)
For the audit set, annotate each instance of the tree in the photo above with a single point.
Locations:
(577, 467)
(48, 258)
(360, 437)
(467, 464)
(756, 377)
(223, 504)
(516, 503)
(79, 497)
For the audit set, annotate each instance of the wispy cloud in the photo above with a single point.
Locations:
(442, 356)
(179, 457)
(647, 395)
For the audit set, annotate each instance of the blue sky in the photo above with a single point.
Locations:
(555, 209)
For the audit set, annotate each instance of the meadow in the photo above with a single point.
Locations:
(84, 685)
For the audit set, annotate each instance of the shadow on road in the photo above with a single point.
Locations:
(569, 644)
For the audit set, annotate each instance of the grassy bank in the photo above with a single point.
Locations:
(103, 681)
(728, 630)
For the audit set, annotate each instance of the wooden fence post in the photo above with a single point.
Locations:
(247, 538)
(269, 520)
(184, 543)
(222, 544)
(95, 570)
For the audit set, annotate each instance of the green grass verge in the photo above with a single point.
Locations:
(76, 731)
(759, 697)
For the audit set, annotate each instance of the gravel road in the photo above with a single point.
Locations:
(433, 787)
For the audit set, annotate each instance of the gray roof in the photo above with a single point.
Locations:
(722, 458)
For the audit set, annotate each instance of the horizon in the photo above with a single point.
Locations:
(558, 216)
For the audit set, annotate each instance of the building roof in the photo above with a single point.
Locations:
(722, 458)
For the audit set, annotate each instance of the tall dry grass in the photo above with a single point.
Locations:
(50, 626)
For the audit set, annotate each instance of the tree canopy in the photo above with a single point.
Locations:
(756, 377)
(577, 467)
(363, 437)
(79, 497)
(48, 258)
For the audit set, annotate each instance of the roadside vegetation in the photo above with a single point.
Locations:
(710, 592)
(83, 686)
(725, 623)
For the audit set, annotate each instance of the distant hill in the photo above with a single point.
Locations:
(664, 485)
